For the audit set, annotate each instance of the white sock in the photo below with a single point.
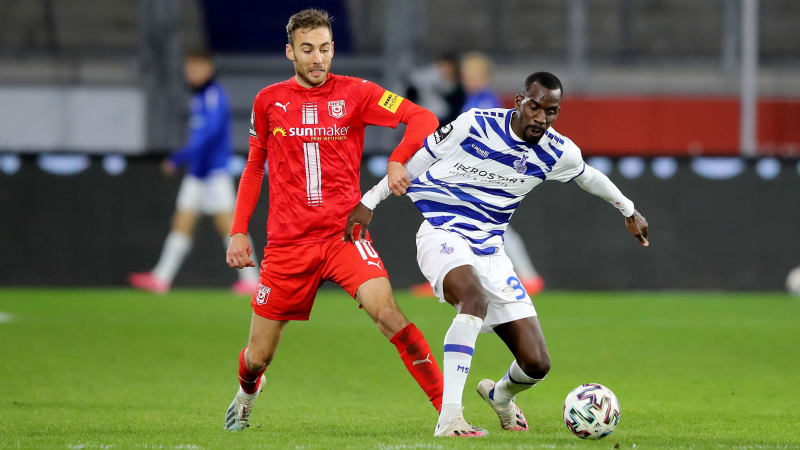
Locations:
(518, 254)
(514, 382)
(176, 247)
(248, 273)
(459, 344)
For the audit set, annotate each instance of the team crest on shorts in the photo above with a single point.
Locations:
(262, 294)
(336, 109)
(445, 249)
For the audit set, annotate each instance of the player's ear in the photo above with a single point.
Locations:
(289, 53)
(518, 101)
(331, 49)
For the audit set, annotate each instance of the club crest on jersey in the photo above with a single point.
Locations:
(336, 109)
(519, 165)
(445, 249)
(262, 294)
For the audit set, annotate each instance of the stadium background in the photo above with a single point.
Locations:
(667, 97)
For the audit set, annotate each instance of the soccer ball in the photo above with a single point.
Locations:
(591, 411)
(793, 281)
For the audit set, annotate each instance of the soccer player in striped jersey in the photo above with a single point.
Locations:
(468, 179)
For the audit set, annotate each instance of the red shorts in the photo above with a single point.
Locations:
(291, 275)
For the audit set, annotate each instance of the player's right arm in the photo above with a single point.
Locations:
(239, 251)
(437, 145)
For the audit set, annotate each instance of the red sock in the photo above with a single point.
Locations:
(413, 348)
(248, 380)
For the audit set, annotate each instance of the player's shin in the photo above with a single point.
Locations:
(419, 360)
(514, 382)
(459, 345)
(248, 379)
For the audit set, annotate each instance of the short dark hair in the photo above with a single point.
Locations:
(546, 79)
(308, 19)
(198, 53)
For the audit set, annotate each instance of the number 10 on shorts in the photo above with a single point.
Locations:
(365, 248)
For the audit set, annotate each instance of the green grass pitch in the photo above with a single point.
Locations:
(119, 369)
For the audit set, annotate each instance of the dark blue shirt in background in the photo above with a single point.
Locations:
(485, 99)
(209, 145)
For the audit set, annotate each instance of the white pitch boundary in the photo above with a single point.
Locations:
(6, 317)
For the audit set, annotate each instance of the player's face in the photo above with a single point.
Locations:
(537, 109)
(311, 53)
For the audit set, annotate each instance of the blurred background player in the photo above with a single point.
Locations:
(437, 87)
(476, 75)
(311, 130)
(207, 186)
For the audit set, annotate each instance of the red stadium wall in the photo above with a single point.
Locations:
(669, 125)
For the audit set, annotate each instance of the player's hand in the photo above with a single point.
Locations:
(167, 168)
(398, 178)
(239, 251)
(360, 215)
(637, 225)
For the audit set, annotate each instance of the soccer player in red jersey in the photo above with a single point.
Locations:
(310, 130)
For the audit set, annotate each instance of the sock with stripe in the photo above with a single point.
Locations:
(248, 380)
(514, 382)
(459, 345)
(419, 360)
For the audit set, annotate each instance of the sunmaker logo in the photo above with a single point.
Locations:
(333, 133)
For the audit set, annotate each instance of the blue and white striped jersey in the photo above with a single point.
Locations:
(482, 171)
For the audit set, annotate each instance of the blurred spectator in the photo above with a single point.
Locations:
(476, 76)
(207, 186)
(437, 87)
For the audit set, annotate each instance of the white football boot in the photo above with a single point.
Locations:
(511, 418)
(238, 416)
(459, 427)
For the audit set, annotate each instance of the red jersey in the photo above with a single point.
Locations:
(312, 139)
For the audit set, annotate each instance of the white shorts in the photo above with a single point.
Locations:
(440, 251)
(211, 195)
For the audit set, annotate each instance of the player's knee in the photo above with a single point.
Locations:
(536, 365)
(257, 360)
(391, 319)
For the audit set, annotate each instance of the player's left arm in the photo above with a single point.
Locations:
(385, 108)
(595, 182)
